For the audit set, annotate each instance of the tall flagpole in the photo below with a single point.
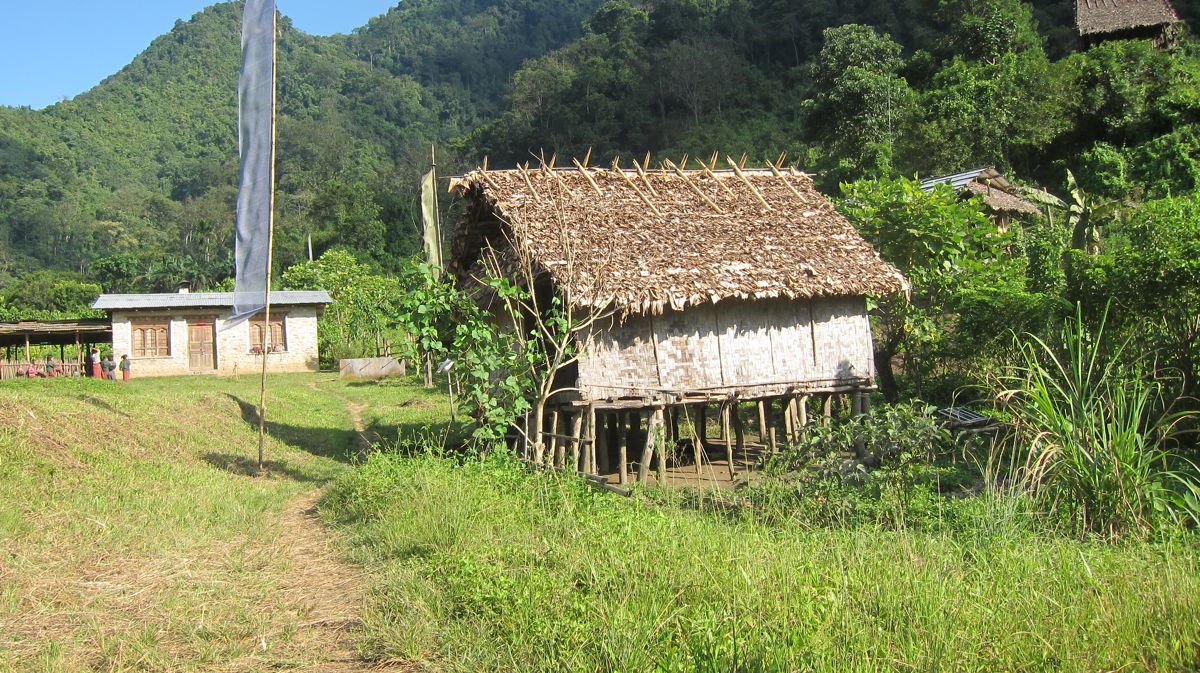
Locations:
(266, 348)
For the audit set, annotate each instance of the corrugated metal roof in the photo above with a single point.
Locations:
(111, 302)
(957, 180)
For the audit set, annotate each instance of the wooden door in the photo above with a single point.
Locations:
(201, 353)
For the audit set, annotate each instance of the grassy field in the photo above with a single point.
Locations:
(482, 567)
(132, 536)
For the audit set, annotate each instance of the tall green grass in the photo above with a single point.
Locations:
(1098, 437)
(481, 566)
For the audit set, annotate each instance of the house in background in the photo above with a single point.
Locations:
(1099, 20)
(726, 287)
(185, 333)
(999, 196)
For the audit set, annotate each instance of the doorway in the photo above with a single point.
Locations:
(202, 354)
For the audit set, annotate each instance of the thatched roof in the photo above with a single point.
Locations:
(1109, 16)
(648, 240)
(998, 193)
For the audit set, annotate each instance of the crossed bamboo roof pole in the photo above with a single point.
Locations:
(640, 179)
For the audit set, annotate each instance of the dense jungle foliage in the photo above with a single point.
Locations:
(130, 186)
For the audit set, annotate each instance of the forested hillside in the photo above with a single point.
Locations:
(132, 185)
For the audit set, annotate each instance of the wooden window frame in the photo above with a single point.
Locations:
(159, 343)
(279, 335)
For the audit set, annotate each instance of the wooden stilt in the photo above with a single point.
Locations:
(697, 444)
(28, 357)
(739, 431)
(576, 435)
(762, 422)
(860, 442)
(660, 446)
(648, 449)
(802, 407)
(827, 409)
(604, 440)
(789, 420)
(593, 436)
(725, 431)
(556, 446)
(702, 423)
(623, 430)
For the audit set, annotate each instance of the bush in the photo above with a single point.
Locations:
(879, 468)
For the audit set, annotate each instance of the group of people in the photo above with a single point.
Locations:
(97, 367)
(106, 368)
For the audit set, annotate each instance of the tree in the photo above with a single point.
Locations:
(363, 318)
(860, 103)
(955, 258)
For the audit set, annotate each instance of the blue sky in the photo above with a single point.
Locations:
(51, 49)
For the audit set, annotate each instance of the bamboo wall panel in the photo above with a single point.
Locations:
(842, 338)
(732, 344)
(791, 339)
(689, 348)
(745, 340)
(620, 360)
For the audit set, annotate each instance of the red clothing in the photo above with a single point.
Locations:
(125, 375)
(96, 371)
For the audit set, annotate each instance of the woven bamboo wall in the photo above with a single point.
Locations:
(752, 346)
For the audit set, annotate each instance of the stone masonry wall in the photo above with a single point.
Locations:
(233, 354)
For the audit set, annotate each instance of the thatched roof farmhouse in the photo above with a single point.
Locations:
(723, 285)
(999, 195)
(1123, 19)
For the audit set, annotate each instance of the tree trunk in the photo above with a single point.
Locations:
(887, 377)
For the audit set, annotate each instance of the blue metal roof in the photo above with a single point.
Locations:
(110, 302)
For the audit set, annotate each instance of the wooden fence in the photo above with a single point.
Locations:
(18, 370)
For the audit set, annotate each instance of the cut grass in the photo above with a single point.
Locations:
(482, 567)
(132, 537)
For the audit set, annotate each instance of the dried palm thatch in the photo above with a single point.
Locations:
(643, 241)
(1001, 201)
(1094, 17)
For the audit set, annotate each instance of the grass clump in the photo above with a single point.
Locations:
(483, 566)
(1099, 438)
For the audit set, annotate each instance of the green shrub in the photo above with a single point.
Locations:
(881, 468)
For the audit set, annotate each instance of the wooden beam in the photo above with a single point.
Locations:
(641, 171)
(576, 436)
(784, 180)
(647, 450)
(524, 170)
(633, 185)
(728, 440)
(739, 431)
(721, 183)
(697, 444)
(623, 422)
(737, 170)
(762, 422)
(590, 449)
(660, 445)
(556, 449)
(688, 181)
(587, 176)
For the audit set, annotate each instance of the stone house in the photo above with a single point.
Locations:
(187, 333)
